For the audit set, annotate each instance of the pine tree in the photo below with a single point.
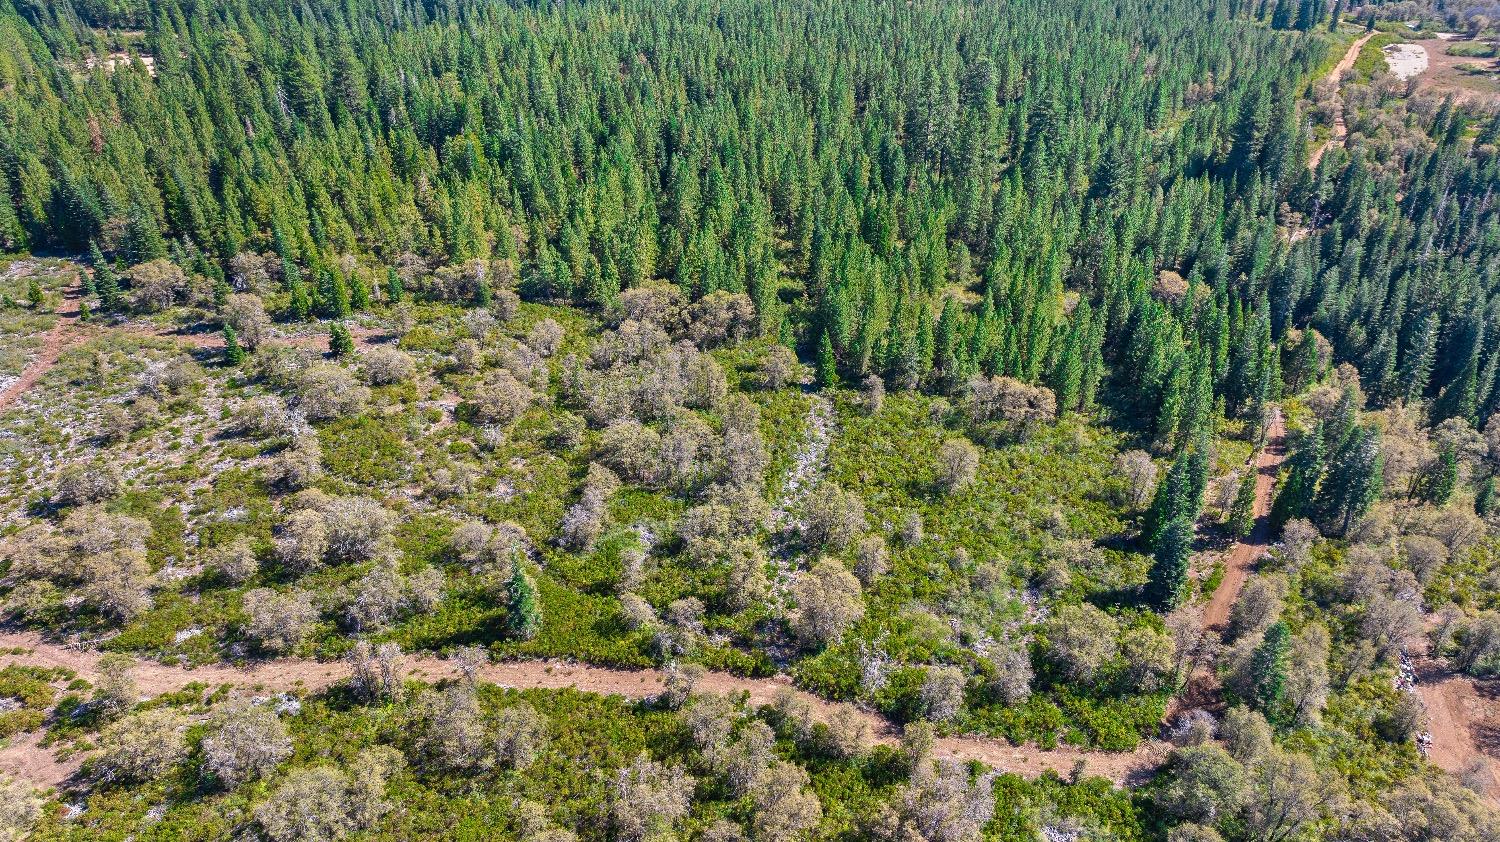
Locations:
(106, 282)
(233, 353)
(1295, 497)
(1438, 481)
(1268, 672)
(359, 292)
(1484, 497)
(394, 290)
(340, 343)
(1352, 482)
(1338, 13)
(34, 295)
(523, 615)
(828, 375)
(299, 303)
(1242, 512)
(1166, 585)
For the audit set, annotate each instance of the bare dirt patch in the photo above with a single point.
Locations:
(1463, 717)
(1469, 79)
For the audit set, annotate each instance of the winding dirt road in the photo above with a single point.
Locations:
(1340, 129)
(24, 758)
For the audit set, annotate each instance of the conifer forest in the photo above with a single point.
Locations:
(750, 420)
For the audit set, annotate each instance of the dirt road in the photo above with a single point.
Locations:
(1340, 129)
(1241, 560)
(1202, 687)
(25, 759)
(58, 338)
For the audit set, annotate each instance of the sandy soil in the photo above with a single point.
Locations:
(1463, 717)
(1445, 76)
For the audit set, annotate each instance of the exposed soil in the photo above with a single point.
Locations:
(58, 339)
(1452, 75)
(1406, 60)
(1463, 719)
(24, 758)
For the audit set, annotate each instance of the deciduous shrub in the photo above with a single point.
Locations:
(278, 622)
(245, 741)
(828, 602)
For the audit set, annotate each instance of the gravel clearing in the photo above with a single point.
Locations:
(1406, 60)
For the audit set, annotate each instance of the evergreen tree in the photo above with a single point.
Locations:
(1242, 512)
(340, 342)
(523, 614)
(1285, 14)
(299, 303)
(1268, 672)
(1484, 497)
(828, 375)
(1352, 482)
(1295, 497)
(1166, 585)
(1436, 484)
(233, 353)
(106, 282)
(394, 290)
(34, 295)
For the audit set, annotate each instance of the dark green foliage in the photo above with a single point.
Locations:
(233, 353)
(394, 291)
(1268, 672)
(1180, 493)
(1167, 585)
(827, 370)
(1242, 511)
(106, 283)
(523, 610)
(1484, 497)
(1437, 482)
(1352, 482)
(1294, 498)
(340, 342)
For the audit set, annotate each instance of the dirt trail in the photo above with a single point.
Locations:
(58, 339)
(1340, 129)
(24, 758)
(1241, 560)
(1202, 689)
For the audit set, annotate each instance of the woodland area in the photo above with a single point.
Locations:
(931, 421)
